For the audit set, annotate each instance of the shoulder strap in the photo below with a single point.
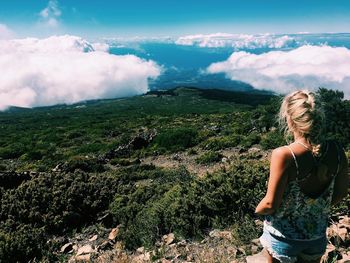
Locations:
(295, 160)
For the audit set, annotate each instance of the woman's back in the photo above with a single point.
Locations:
(303, 213)
(314, 173)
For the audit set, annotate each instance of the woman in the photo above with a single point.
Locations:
(306, 178)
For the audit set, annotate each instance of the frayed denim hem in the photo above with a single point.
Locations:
(281, 258)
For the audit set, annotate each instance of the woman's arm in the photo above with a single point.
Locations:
(278, 179)
(342, 180)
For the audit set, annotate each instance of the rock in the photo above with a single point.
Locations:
(80, 237)
(140, 250)
(345, 258)
(158, 244)
(232, 251)
(119, 245)
(221, 234)
(58, 167)
(143, 139)
(345, 221)
(182, 243)
(83, 258)
(93, 238)
(147, 256)
(121, 151)
(189, 258)
(168, 239)
(225, 160)
(214, 233)
(139, 259)
(105, 245)
(337, 234)
(176, 157)
(67, 248)
(87, 249)
(256, 242)
(114, 233)
(241, 150)
(257, 258)
(254, 249)
(241, 251)
(258, 223)
(343, 234)
(214, 128)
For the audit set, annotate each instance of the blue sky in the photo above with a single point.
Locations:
(176, 17)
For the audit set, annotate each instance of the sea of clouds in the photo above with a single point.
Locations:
(238, 41)
(306, 67)
(67, 69)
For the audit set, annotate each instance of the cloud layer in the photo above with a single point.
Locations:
(237, 41)
(281, 71)
(67, 69)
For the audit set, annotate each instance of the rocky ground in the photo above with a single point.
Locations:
(101, 245)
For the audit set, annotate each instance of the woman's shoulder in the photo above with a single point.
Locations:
(282, 153)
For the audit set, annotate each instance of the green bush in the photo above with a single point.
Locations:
(176, 202)
(337, 115)
(272, 140)
(177, 139)
(218, 143)
(84, 164)
(58, 202)
(250, 140)
(209, 157)
(12, 151)
(23, 244)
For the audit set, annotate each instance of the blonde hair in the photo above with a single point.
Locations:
(300, 112)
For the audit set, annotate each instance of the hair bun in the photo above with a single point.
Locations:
(300, 113)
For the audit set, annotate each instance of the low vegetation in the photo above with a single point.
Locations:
(64, 168)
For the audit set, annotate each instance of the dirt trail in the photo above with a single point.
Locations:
(189, 160)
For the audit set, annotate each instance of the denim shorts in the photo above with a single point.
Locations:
(288, 250)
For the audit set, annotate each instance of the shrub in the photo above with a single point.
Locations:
(251, 139)
(22, 244)
(272, 140)
(176, 139)
(222, 142)
(58, 202)
(12, 151)
(84, 164)
(209, 157)
(176, 202)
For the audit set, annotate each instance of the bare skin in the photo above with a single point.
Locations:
(283, 170)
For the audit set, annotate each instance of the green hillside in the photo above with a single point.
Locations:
(103, 163)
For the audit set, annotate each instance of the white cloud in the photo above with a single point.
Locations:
(284, 71)
(237, 41)
(5, 32)
(67, 69)
(50, 15)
